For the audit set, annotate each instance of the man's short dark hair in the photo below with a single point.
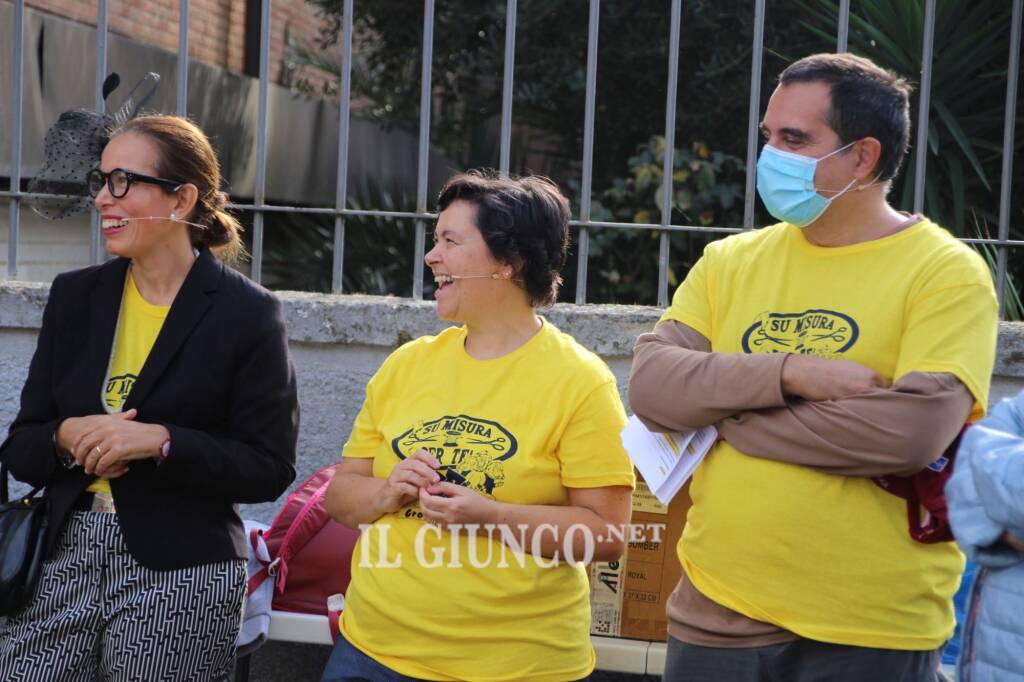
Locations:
(524, 222)
(867, 101)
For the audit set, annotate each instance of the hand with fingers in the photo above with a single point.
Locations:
(104, 445)
(445, 504)
(73, 429)
(814, 378)
(408, 478)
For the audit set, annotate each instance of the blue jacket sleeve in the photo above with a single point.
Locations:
(986, 492)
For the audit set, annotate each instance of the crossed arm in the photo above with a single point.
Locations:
(833, 415)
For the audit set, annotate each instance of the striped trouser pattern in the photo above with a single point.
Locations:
(98, 615)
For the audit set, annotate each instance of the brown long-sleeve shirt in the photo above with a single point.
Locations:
(677, 383)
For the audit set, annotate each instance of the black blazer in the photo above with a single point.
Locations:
(220, 379)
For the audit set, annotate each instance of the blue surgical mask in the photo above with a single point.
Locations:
(785, 182)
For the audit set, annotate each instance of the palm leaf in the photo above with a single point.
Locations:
(953, 126)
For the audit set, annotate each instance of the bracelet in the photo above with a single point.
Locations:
(165, 450)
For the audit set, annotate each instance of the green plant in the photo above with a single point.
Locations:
(298, 249)
(707, 189)
(1013, 308)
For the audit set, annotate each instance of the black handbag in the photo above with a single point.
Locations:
(23, 525)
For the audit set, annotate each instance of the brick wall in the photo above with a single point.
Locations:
(216, 27)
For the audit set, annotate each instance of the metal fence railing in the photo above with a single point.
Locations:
(583, 223)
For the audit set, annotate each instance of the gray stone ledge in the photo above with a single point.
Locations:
(608, 330)
(384, 321)
(1010, 350)
(21, 304)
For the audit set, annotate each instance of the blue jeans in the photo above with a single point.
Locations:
(349, 664)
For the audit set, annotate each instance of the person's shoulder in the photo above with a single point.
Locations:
(415, 352)
(432, 343)
(561, 349)
(238, 286)
(78, 278)
(945, 260)
(428, 345)
(747, 244)
(245, 304)
(76, 284)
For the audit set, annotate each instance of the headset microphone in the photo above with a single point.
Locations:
(449, 278)
(172, 218)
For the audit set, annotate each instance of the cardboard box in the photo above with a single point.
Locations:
(627, 597)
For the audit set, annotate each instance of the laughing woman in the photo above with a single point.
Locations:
(159, 397)
(503, 424)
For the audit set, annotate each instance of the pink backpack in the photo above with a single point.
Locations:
(310, 554)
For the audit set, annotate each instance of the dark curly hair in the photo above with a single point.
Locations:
(524, 222)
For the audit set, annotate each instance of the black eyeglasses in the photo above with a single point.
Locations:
(119, 181)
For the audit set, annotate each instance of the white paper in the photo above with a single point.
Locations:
(666, 460)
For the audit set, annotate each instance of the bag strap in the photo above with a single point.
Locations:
(4, 492)
(298, 536)
(335, 605)
(267, 569)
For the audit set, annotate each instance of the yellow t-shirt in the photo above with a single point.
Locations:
(137, 329)
(829, 557)
(521, 428)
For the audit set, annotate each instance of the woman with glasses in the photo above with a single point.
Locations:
(160, 396)
(485, 466)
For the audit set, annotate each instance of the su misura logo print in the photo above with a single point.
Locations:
(825, 333)
(118, 388)
(472, 451)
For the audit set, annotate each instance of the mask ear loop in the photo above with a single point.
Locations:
(874, 182)
(839, 192)
(850, 187)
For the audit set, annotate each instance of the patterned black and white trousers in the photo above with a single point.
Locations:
(99, 615)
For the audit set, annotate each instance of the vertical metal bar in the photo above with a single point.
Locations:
(842, 39)
(341, 192)
(101, 55)
(924, 104)
(424, 149)
(663, 253)
(259, 199)
(668, 168)
(583, 245)
(582, 254)
(506, 90)
(15, 205)
(101, 74)
(753, 114)
(183, 58)
(1009, 121)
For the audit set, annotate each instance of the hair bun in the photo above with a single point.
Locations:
(218, 201)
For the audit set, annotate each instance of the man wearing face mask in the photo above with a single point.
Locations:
(848, 341)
